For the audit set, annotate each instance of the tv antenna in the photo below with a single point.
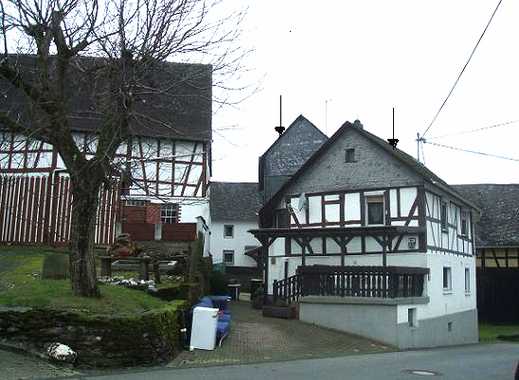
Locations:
(280, 129)
(393, 142)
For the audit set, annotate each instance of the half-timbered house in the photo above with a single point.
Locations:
(162, 170)
(368, 240)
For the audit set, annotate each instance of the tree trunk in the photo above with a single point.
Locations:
(82, 259)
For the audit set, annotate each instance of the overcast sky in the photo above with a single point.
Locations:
(367, 56)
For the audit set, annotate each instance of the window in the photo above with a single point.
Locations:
(464, 224)
(375, 209)
(169, 213)
(443, 216)
(228, 231)
(447, 279)
(350, 155)
(467, 280)
(228, 257)
(135, 202)
(411, 317)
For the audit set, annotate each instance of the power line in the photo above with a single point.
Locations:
(463, 69)
(504, 124)
(472, 151)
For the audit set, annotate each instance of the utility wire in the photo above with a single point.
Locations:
(504, 124)
(463, 69)
(472, 151)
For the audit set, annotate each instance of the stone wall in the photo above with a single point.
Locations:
(100, 340)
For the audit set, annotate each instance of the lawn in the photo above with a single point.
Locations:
(489, 333)
(21, 285)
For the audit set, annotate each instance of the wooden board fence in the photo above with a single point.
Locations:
(37, 210)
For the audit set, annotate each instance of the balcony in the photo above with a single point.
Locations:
(373, 282)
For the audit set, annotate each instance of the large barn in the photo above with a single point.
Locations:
(161, 172)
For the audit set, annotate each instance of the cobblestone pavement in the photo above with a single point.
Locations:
(254, 338)
(19, 366)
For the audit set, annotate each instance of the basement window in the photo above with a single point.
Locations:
(411, 317)
(228, 257)
(350, 155)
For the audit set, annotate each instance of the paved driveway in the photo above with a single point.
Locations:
(255, 339)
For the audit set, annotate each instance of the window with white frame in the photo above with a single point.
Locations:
(169, 213)
(464, 224)
(228, 257)
(467, 280)
(375, 209)
(228, 231)
(444, 216)
(447, 278)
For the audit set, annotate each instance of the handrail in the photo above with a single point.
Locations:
(351, 281)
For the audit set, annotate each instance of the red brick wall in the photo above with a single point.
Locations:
(153, 213)
(134, 214)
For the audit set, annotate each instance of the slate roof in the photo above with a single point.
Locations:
(408, 160)
(234, 201)
(179, 107)
(499, 222)
(292, 149)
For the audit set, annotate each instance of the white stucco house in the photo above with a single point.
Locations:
(234, 211)
(369, 241)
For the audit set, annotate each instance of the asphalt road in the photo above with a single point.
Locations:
(476, 362)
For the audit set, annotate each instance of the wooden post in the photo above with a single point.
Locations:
(384, 253)
(106, 266)
(156, 271)
(144, 272)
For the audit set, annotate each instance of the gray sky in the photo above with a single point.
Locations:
(366, 56)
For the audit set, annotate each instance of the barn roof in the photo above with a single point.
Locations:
(499, 222)
(234, 201)
(174, 99)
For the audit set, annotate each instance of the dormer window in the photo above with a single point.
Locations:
(375, 209)
(350, 155)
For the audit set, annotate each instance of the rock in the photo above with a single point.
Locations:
(61, 353)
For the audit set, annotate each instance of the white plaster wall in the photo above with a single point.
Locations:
(442, 303)
(241, 239)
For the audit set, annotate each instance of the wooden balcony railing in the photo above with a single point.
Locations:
(352, 281)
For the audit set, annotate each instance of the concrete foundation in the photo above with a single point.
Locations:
(378, 319)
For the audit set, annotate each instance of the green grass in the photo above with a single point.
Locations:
(488, 333)
(20, 285)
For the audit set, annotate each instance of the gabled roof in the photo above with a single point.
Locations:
(499, 222)
(403, 157)
(174, 99)
(234, 201)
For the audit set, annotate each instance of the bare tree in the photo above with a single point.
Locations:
(126, 41)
